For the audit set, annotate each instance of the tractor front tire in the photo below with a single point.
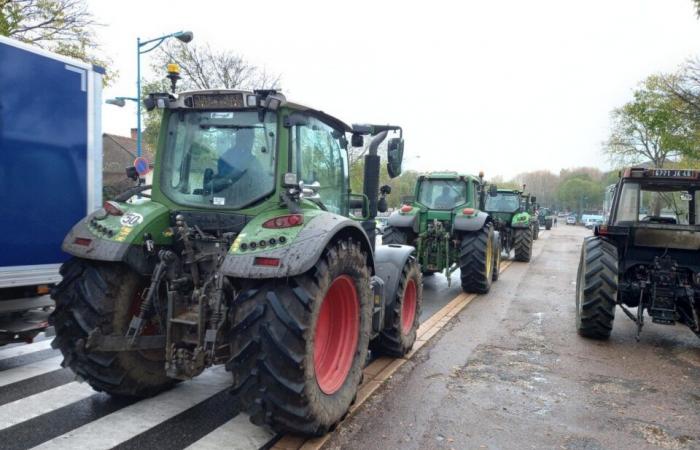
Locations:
(104, 296)
(299, 344)
(522, 244)
(596, 288)
(398, 339)
(476, 260)
(394, 236)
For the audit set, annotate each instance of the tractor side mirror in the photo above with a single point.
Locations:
(357, 140)
(394, 157)
(493, 190)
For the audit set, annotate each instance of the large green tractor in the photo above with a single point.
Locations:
(245, 254)
(515, 224)
(446, 224)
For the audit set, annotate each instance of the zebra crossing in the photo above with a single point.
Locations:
(43, 406)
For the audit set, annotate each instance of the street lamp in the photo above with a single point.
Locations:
(120, 101)
(182, 36)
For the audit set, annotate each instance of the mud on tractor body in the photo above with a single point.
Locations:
(510, 209)
(646, 256)
(446, 224)
(246, 253)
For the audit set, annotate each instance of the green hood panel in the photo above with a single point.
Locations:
(521, 219)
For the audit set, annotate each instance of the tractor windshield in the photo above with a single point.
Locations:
(663, 203)
(503, 202)
(219, 159)
(442, 194)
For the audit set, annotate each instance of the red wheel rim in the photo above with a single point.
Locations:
(337, 332)
(408, 307)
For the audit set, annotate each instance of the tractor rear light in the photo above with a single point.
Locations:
(85, 242)
(288, 221)
(268, 262)
(406, 208)
(113, 208)
(468, 211)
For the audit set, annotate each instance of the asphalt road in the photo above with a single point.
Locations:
(510, 372)
(507, 372)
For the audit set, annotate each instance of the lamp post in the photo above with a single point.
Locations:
(151, 44)
(120, 101)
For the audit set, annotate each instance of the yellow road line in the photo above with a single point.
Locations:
(382, 368)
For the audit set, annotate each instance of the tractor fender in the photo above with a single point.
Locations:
(521, 220)
(404, 220)
(471, 223)
(389, 261)
(96, 249)
(302, 253)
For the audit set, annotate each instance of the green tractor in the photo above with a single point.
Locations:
(446, 224)
(515, 224)
(245, 253)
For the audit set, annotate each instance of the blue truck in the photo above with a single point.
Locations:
(50, 175)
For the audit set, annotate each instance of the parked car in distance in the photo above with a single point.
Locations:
(591, 222)
(381, 224)
(571, 220)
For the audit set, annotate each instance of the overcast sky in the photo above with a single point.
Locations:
(504, 87)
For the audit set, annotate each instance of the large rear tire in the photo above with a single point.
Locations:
(596, 288)
(104, 296)
(476, 259)
(399, 337)
(522, 244)
(299, 344)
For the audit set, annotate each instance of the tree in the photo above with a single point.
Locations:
(541, 183)
(62, 26)
(204, 68)
(201, 68)
(649, 128)
(580, 193)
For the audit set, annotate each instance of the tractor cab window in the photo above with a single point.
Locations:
(321, 163)
(442, 194)
(657, 203)
(503, 202)
(219, 159)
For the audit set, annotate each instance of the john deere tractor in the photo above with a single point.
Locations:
(245, 254)
(446, 224)
(516, 226)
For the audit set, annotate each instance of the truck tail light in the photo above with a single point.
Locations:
(268, 262)
(113, 208)
(288, 221)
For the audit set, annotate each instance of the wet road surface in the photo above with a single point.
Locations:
(510, 372)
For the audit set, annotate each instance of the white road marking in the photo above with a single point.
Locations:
(30, 370)
(236, 434)
(135, 419)
(21, 350)
(44, 402)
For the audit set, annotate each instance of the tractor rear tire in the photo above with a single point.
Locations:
(398, 339)
(497, 259)
(476, 259)
(596, 288)
(522, 244)
(394, 236)
(101, 296)
(299, 344)
(548, 225)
